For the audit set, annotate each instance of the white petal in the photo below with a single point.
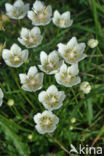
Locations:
(49, 11)
(73, 69)
(77, 81)
(26, 88)
(66, 15)
(32, 71)
(53, 56)
(52, 90)
(8, 63)
(37, 117)
(6, 54)
(30, 15)
(1, 94)
(38, 5)
(8, 7)
(58, 78)
(81, 47)
(62, 48)
(56, 119)
(43, 57)
(23, 78)
(61, 96)
(35, 30)
(72, 43)
(47, 113)
(24, 32)
(52, 129)
(22, 42)
(15, 49)
(40, 76)
(19, 4)
(63, 68)
(56, 14)
(25, 54)
(42, 95)
(39, 129)
(82, 57)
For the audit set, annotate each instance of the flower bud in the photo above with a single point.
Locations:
(30, 137)
(10, 102)
(92, 43)
(85, 87)
(73, 120)
(71, 128)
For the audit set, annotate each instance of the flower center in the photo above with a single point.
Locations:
(62, 21)
(47, 122)
(31, 40)
(72, 54)
(40, 16)
(16, 59)
(53, 99)
(32, 82)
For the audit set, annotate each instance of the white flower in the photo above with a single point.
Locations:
(18, 10)
(62, 20)
(15, 57)
(68, 75)
(32, 81)
(72, 52)
(46, 122)
(40, 14)
(1, 97)
(52, 99)
(30, 38)
(92, 43)
(85, 87)
(51, 63)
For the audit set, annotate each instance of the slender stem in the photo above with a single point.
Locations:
(59, 144)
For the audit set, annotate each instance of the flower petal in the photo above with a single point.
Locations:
(8, 7)
(32, 71)
(73, 69)
(43, 57)
(23, 78)
(1, 94)
(42, 95)
(25, 54)
(19, 3)
(72, 43)
(52, 90)
(5, 54)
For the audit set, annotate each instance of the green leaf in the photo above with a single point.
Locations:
(21, 147)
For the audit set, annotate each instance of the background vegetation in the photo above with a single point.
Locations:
(16, 122)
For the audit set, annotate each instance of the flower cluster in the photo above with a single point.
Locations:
(71, 53)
